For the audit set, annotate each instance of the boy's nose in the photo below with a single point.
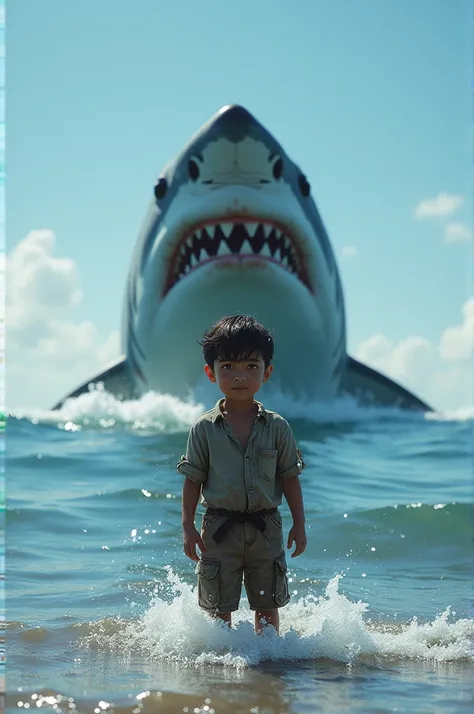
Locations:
(239, 379)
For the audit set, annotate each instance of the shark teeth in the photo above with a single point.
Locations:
(223, 248)
(227, 229)
(251, 228)
(246, 248)
(217, 240)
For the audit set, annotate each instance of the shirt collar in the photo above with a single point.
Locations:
(216, 411)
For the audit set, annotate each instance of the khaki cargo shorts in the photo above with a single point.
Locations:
(245, 552)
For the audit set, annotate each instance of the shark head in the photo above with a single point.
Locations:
(232, 228)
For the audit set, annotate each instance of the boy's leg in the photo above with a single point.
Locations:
(265, 569)
(220, 569)
(226, 616)
(267, 617)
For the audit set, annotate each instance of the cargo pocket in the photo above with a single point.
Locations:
(280, 585)
(208, 584)
(267, 461)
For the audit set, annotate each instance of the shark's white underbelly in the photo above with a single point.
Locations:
(305, 339)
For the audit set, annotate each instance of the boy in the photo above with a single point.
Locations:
(241, 458)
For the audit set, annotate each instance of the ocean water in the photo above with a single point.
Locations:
(102, 612)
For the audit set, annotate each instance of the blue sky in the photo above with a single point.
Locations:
(373, 99)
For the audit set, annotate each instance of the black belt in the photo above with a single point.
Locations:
(255, 517)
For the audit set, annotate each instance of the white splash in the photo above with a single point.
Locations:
(461, 414)
(100, 409)
(166, 413)
(175, 630)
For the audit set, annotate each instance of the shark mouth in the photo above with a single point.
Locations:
(221, 240)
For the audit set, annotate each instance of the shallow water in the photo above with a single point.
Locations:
(101, 606)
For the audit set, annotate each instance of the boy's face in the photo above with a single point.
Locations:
(239, 380)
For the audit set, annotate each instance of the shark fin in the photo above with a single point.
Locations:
(376, 388)
(115, 378)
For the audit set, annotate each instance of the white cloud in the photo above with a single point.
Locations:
(349, 251)
(441, 205)
(48, 353)
(456, 232)
(440, 374)
(457, 342)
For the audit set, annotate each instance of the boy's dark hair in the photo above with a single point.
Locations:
(237, 338)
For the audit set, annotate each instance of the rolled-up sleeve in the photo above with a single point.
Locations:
(195, 463)
(290, 459)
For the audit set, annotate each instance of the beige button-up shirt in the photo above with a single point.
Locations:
(238, 478)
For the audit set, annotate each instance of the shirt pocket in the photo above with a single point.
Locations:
(267, 462)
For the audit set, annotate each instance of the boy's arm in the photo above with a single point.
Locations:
(191, 536)
(191, 493)
(290, 459)
(195, 463)
(194, 467)
(294, 497)
(290, 465)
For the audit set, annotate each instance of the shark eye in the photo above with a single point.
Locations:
(193, 169)
(278, 169)
(303, 183)
(160, 188)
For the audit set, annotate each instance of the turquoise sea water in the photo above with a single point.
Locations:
(101, 607)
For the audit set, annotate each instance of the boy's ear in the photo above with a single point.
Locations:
(210, 373)
(267, 373)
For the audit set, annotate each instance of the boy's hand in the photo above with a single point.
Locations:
(191, 538)
(297, 535)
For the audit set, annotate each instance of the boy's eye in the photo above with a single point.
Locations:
(228, 365)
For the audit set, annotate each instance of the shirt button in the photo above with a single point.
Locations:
(247, 458)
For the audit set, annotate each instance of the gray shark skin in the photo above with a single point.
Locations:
(232, 228)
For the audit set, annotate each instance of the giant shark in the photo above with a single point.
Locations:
(232, 228)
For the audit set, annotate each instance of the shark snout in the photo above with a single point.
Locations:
(234, 117)
(240, 152)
